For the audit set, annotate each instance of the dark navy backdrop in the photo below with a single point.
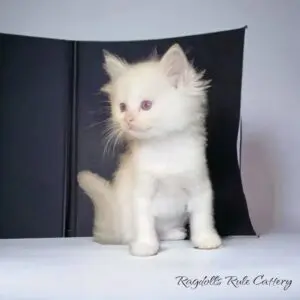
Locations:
(51, 114)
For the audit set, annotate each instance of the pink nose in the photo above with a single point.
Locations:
(129, 119)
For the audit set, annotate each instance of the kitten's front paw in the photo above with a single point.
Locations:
(142, 248)
(207, 240)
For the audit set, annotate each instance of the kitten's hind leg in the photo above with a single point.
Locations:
(172, 229)
(173, 234)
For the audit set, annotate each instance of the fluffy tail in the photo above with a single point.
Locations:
(106, 228)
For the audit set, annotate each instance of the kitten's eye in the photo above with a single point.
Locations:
(146, 104)
(122, 107)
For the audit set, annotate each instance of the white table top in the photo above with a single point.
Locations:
(78, 268)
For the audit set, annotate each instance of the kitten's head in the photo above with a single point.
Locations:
(155, 97)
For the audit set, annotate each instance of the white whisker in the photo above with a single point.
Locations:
(97, 124)
(112, 135)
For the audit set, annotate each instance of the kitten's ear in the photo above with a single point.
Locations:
(113, 65)
(175, 64)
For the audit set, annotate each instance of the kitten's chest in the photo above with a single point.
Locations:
(170, 158)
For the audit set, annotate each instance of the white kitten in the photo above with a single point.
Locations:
(158, 107)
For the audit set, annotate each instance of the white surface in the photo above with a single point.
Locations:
(63, 269)
(270, 104)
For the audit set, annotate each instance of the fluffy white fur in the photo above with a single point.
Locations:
(162, 180)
